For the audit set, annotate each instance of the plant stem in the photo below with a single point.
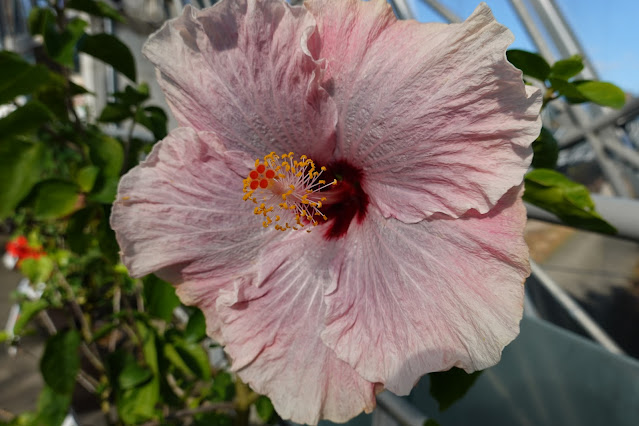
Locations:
(244, 397)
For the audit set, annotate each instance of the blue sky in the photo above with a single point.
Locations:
(608, 31)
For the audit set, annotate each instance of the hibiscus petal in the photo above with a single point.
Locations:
(413, 299)
(243, 69)
(272, 336)
(434, 114)
(181, 215)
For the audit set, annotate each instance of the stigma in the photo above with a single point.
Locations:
(287, 191)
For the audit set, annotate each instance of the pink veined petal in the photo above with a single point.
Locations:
(243, 69)
(272, 334)
(181, 215)
(413, 299)
(434, 114)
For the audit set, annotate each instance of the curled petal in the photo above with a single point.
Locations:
(272, 334)
(434, 114)
(433, 295)
(181, 215)
(243, 69)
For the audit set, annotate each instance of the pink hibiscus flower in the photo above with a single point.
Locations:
(409, 144)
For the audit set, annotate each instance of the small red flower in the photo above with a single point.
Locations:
(19, 247)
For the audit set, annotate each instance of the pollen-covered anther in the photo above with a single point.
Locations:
(286, 191)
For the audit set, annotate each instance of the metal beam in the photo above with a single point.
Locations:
(400, 409)
(531, 28)
(574, 310)
(443, 11)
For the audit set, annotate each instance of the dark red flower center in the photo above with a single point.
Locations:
(346, 200)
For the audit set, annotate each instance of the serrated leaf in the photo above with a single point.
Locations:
(110, 50)
(546, 150)
(95, 8)
(54, 198)
(21, 165)
(195, 330)
(160, 298)
(24, 119)
(602, 93)
(61, 361)
(568, 200)
(530, 64)
(567, 68)
(28, 309)
(447, 387)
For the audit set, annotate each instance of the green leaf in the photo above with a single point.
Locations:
(21, 165)
(265, 409)
(223, 387)
(137, 404)
(39, 18)
(53, 198)
(115, 113)
(160, 298)
(18, 77)
(96, 8)
(567, 89)
(28, 309)
(568, 200)
(567, 68)
(173, 356)
(602, 93)
(133, 375)
(195, 357)
(53, 407)
(111, 50)
(196, 327)
(447, 387)
(61, 46)
(37, 270)
(79, 237)
(153, 118)
(133, 96)
(530, 64)
(546, 150)
(61, 361)
(107, 154)
(86, 177)
(24, 119)
(4, 336)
